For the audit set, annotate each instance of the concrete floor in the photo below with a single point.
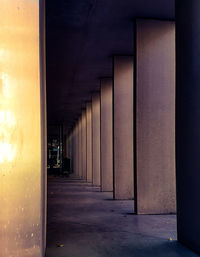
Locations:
(88, 223)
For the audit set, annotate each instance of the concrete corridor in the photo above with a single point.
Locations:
(84, 222)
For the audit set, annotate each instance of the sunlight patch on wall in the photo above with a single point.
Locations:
(20, 130)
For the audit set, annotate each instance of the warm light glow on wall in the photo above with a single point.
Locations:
(7, 120)
(20, 130)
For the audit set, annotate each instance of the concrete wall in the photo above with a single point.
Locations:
(84, 157)
(123, 127)
(96, 139)
(80, 171)
(188, 122)
(66, 146)
(155, 116)
(76, 151)
(72, 151)
(43, 108)
(70, 145)
(89, 141)
(22, 129)
(106, 135)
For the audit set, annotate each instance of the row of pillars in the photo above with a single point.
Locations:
(145, 156)
(124, 140)
(136, 144)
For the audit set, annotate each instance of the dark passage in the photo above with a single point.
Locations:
(84, 222)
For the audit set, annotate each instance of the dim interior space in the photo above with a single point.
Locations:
(111, 129)
(99, 128)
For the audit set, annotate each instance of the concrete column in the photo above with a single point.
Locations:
(76, 151)
(155, 125)
(106, 135)
(123, 127)
(69, 146)
(22, 129)
(188, 122)
(96, 139)
(84, 160)
(80, 171)
(89, 141)
(66, 148)
(70, 149)
(73, 150)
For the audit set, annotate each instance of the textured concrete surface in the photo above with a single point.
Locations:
(155, 117)
(75, 150)
(188, 122)
(80, 170)
(96, 139)
(106, 134)
(83, 145)
(22, 129)
(123, 127)
(88, 223)
(89, 141)
(72, 150)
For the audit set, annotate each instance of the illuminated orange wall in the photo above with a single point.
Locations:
(21, 138)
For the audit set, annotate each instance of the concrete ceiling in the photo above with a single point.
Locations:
(82, 36)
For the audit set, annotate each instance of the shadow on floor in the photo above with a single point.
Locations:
(81, 223)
